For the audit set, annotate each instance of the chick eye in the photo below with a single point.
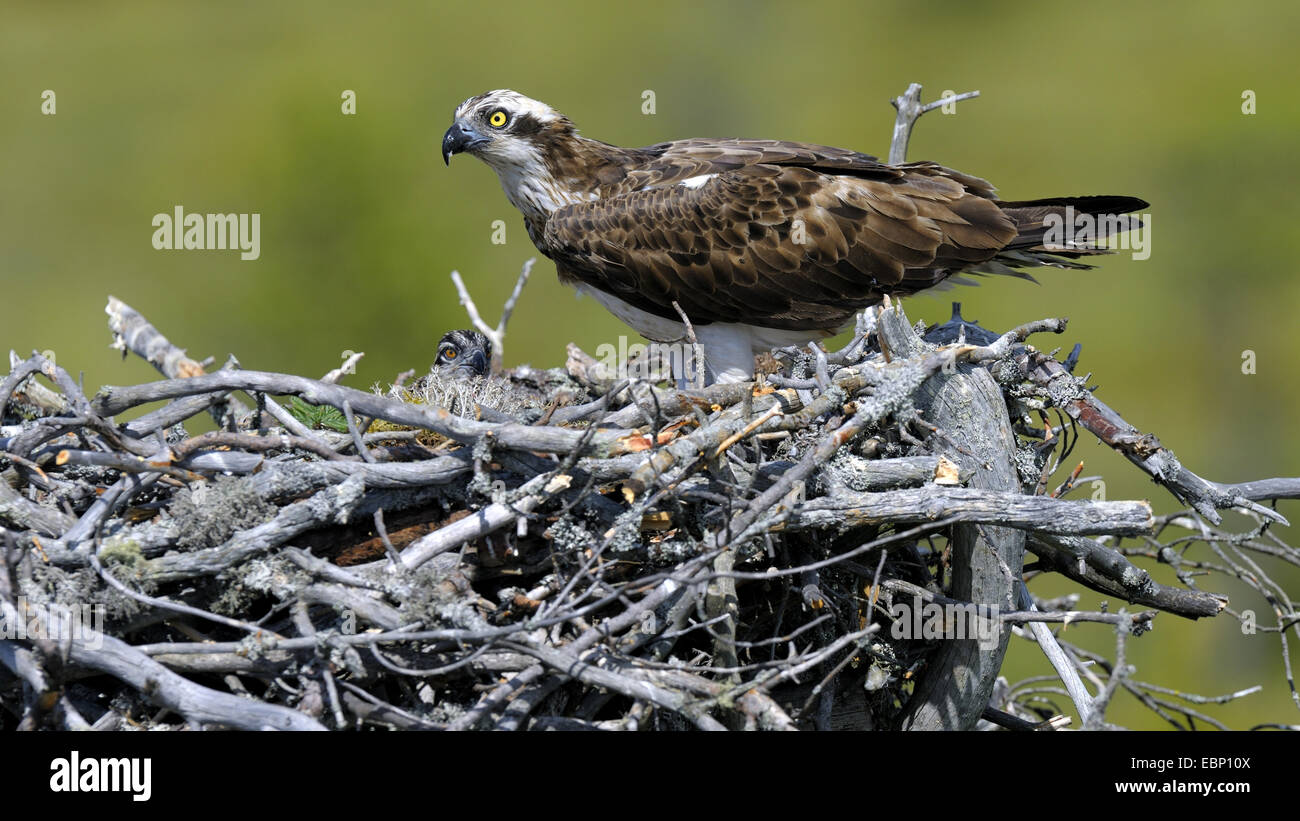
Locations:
(449, 353)
(498, 118)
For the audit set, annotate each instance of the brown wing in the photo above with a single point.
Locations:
(785, 235)
(667, 163)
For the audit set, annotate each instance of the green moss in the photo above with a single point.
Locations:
(124, 552)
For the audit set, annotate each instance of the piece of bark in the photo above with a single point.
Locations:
(967, 405)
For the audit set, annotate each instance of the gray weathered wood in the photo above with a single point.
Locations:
(967, 405)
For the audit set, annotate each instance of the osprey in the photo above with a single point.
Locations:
(462, 354)
(762, 243)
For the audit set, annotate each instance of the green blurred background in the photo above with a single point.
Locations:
(235, 107)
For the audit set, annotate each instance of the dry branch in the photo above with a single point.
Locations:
(636, 542)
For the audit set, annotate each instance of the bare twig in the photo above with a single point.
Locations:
(497, 335)
(910, 110)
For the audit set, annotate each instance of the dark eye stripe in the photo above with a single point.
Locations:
(526, 124)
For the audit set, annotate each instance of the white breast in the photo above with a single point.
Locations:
(729, 347)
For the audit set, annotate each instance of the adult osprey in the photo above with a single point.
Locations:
(763, 243)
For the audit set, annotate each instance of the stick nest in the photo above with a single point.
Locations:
(567, 549)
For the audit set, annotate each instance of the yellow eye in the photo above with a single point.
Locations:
(450, 353)
(498, 119)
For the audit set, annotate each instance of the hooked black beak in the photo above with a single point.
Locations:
(474, 364)
(459, 138)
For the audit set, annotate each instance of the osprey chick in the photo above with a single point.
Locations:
(763, 243)
(462, 354)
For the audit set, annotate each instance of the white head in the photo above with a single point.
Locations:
(518, 137)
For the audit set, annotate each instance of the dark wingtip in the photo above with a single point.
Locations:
(1090, 204)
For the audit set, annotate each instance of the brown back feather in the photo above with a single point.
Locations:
(726, 250)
